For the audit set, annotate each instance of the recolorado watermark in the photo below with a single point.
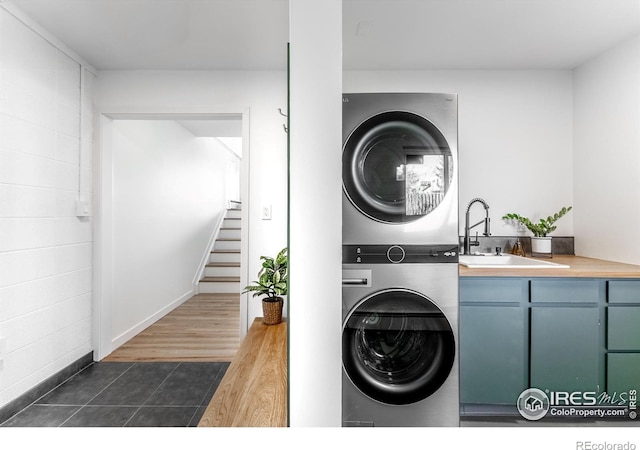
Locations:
(589, 445)
(535, 404)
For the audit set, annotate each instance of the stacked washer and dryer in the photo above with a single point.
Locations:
(400, 260)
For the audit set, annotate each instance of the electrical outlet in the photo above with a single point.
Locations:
(266, 212)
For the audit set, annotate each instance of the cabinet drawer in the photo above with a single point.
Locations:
(624, 291)
(567, 290)
(493, 290)
(623, 330)
(623, 372)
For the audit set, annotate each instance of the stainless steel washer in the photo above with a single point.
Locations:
(400, 335)
(399, 168)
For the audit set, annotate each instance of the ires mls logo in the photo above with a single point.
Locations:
(573, 398)
(534, 404)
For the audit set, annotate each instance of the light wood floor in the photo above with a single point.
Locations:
(204, 328)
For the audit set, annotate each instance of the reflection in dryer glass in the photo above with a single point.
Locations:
(426, 184)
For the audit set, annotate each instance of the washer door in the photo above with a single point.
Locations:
(397, 347)
(396, 167)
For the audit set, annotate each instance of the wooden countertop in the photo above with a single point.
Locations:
(579, 267)
(253, 391)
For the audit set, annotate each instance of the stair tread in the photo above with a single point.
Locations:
(224, 250)
(223, 264)
(220, 279)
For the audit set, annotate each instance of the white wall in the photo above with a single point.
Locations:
(607, 155)
(45, 250)
(515, 137)
(259, 92)
(509, 123)
(315, 218)
(169, 193)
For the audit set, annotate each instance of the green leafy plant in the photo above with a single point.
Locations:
(544, 226)
(273, 277)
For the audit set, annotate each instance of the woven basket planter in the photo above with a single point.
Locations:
(272, 311)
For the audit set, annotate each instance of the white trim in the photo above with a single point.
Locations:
(245, 178)
(50, 38)
(207, 253)
(103, 237)
(103, 211)
(141, 326)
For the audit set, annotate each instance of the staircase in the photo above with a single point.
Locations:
(222, 273)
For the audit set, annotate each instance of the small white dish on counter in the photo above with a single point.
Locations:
(492, 261)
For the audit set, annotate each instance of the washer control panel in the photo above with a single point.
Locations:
(399, 254)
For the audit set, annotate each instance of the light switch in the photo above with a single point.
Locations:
(83, 208)
(266, 212)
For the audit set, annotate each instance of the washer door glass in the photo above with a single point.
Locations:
(397, 347)
(396, 167)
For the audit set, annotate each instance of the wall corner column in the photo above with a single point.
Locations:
(315, 219)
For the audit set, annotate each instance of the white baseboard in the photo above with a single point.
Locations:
(141, 326)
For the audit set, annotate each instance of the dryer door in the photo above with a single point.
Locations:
(396, 167)
(397, 347)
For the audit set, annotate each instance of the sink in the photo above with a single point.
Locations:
(486, 261)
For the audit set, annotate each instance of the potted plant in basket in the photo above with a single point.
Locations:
(272, 283)
(541, 242)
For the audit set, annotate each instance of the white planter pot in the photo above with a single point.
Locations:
(541, 245)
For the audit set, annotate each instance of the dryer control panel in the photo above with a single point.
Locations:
(400, 254)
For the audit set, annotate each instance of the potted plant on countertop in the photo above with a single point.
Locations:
(540, 242)
(273, 279)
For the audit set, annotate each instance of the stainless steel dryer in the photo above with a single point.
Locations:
(399, 168)
(400, 336)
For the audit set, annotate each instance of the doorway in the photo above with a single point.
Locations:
(156, 209)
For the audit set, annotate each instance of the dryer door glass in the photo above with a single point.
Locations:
(396, 167)
(398, 347)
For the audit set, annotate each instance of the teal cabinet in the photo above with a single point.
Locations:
(493, 354)
(548, 333)
(493, 340)
(623, 370)
(623, 336)
(565, 348)
(624, 291)
(493, 290)
(567, 341)
(623, 328)
(567, 290)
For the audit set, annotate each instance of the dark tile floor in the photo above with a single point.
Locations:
(117, 394)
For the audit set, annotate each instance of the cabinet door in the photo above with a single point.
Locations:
(565, 352)
(493, 356)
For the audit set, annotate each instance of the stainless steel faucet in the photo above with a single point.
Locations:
(468, 243)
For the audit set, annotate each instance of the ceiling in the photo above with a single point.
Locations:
(377, 34)
(227, 128)
(483, 34)
(222, 125)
